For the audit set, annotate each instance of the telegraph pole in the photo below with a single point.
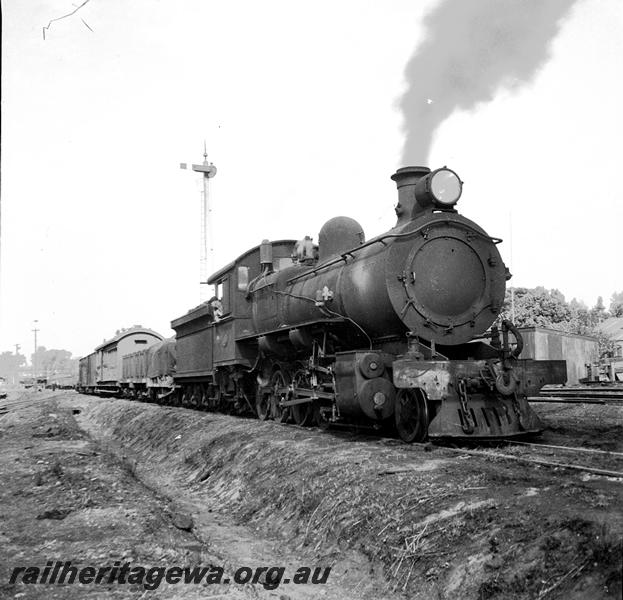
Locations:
(206, 251)
(16, 373)
(34, 358)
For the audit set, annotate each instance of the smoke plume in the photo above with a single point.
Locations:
(472, 49)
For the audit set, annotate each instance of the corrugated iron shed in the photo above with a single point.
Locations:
(550, 344)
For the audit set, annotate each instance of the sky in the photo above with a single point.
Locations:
(299, 104)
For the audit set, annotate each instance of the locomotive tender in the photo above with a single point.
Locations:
(377, 332)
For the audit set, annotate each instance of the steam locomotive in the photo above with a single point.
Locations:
(388, 332)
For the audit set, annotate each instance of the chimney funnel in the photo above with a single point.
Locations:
(406, 178)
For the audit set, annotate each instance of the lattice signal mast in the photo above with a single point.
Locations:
(206, 259)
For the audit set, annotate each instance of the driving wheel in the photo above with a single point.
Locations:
(411, 415)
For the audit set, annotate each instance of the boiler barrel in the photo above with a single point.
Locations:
(441, 278)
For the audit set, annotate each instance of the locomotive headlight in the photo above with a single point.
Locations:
(439, 189)
(445, 186)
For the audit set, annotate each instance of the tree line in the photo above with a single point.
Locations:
(13, 365)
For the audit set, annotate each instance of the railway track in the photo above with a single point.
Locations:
(612, 394)
(567, 448)
(563, 400)
(589, 460)
(25, 399)
(599, 463)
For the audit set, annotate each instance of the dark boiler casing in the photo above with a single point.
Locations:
(439, 276)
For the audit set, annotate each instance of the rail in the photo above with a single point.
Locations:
(523, 459)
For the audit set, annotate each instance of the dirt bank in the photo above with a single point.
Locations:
(389, 518)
